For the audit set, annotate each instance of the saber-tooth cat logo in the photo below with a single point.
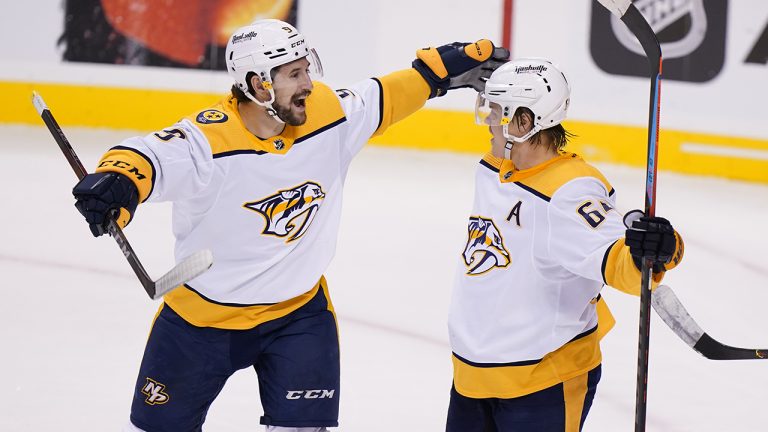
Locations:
(283, 209)
(154, 392)
(485, 248)
(691, 33)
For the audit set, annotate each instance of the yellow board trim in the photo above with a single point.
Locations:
(111, 107)
(427, 129)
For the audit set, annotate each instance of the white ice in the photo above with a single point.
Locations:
(73, 320)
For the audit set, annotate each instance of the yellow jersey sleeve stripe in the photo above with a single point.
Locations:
(133, 164)
(402, 94)
(200, 311)
(620, 272)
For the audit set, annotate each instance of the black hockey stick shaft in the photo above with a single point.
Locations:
(112, 227)
(635, 21)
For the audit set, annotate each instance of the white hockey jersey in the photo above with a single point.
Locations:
(541, 243)
(268, 209)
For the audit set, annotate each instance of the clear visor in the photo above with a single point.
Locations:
(298, 73)
(315, 66)
(488, 113)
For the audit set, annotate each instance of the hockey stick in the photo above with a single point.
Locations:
(636, 23)
(188, 269)
(668, 307)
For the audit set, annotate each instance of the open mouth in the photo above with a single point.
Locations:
(300, 101)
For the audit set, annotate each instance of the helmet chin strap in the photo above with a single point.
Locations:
(511, 139)
(268, 104)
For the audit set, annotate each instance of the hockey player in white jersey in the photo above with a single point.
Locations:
(257, 178)
(544, 237)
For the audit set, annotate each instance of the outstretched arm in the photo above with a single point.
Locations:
(434, 72)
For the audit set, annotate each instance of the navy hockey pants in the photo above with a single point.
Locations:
(560, 408)
(296, 359)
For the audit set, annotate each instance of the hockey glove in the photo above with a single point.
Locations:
(103, 196)
(653, 238)
(459, 65)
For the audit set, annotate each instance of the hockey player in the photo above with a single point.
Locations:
(257, 178)
(544, 236)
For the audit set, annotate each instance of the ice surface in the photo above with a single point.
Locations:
(73, 319)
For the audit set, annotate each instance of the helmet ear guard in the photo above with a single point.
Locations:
(261, 47)
(530, 83)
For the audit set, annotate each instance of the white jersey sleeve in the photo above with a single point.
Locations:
(361, 107)
(583, 225)
(180, 158)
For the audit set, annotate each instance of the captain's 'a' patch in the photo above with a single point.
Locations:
(211, 116)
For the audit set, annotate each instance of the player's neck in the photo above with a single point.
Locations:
(258, 122)
(527, 155)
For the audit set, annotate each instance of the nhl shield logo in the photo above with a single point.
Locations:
(288, 213)
(485, 248)
(692, 34)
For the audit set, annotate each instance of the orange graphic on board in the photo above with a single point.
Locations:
(181, 30)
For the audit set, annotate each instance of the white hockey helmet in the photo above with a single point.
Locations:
(262, 46)
(532, 83)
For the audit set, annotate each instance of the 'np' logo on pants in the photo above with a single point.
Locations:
(154, 391)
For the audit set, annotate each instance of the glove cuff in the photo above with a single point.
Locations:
(437, 86)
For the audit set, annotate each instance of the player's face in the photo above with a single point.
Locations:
(292, 85)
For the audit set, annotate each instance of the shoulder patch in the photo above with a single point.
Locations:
(211, 116)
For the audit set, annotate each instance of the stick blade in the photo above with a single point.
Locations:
(192, 267)
(668, 307)
(671, 310)
(38, 102)
(617, 7)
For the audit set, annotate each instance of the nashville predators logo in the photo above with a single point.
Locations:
(211, 116)
(154, 392)
(284, 209)
(485, 247)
